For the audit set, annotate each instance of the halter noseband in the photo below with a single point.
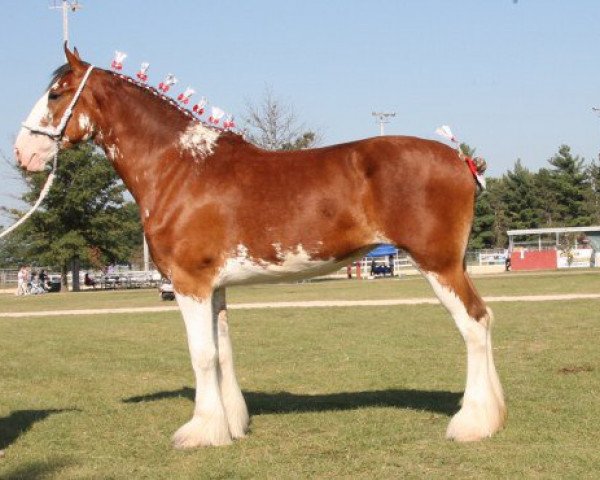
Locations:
(56, 133)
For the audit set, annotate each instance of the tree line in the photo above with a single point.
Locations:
(566, 193)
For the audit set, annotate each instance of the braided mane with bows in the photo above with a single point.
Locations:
(193, 115)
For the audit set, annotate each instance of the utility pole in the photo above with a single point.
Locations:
(65, 6)
(383, 118)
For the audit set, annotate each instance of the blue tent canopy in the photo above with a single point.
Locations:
(382, 251)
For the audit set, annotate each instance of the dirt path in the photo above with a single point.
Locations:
(305, 304)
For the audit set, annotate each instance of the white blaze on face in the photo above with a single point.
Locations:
(33, 150)
(198, 140)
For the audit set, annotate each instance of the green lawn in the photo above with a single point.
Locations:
(334, 392)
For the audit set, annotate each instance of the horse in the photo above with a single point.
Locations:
(218, 211)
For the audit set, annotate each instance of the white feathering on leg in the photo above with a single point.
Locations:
(233, 400)
(483, 411)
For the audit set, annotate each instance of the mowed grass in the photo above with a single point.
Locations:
(405, 287)
(334, 392)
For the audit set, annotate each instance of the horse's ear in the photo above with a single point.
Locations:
(73, 60)
(76, 53)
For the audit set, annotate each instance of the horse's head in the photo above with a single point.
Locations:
(42, 133)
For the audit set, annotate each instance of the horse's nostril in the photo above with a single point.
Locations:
(16, 150)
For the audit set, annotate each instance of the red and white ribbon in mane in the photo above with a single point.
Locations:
(142, 73)
(228, 123)
(198, 109)
(216, 115)
(167, 83)
(117, 63)
(185, 96)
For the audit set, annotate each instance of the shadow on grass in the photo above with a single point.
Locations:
(34, 470)
(285, 402)
(19, 421)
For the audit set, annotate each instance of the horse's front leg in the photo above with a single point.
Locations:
(233, 400)
(209, 425)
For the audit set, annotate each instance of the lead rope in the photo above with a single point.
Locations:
(39, 201)
(56, 134)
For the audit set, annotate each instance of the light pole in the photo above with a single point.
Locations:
(383, 118)
(65, 6)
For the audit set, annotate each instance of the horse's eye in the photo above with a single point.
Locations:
(53, 95)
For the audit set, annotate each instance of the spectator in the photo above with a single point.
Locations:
(27, 277)
(43, 277)
(36, 287)
(88, 281)
(21, 281)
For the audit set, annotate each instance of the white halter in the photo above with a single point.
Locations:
(56, 133)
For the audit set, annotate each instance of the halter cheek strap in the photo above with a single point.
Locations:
(55, 133)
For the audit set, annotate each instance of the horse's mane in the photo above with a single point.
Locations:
(66, 68)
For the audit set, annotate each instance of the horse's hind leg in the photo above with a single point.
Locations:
(483, 409)
(233, 400)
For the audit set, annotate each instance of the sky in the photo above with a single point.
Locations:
(514, 80)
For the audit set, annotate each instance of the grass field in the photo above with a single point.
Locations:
(334, 392)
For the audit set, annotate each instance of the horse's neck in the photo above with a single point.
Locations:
(139, 132)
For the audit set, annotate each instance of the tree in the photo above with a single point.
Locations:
(519, 199)
(305, 140)
(482, 233)
(593, 192)
(84, 220)
(273, 125)
(570, 186)
(11, 253)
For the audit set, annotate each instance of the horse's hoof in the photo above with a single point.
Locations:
(200, 433)
(475, 422)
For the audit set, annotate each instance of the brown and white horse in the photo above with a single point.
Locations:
(218, 211)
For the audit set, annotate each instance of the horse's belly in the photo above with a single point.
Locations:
(292, 267)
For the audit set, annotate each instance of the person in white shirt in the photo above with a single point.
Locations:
(22, 281)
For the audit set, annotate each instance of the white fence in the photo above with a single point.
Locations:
(8, 277)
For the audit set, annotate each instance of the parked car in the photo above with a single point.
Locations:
(166, 290)
(54, 283)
